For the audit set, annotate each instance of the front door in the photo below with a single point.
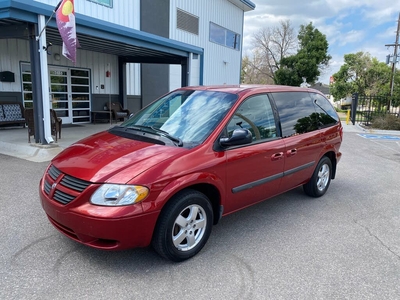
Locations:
(254, 171)
(70, 94)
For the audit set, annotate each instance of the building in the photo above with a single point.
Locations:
(131, 51)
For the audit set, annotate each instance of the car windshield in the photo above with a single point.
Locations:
(184, 116)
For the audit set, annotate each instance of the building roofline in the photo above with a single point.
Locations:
(27, 12)
(250, 4)
(245, 5)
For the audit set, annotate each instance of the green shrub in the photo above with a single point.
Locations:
(386, 122)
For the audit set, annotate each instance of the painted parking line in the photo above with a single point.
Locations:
(380, 137)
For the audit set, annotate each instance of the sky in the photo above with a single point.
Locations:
(350, 26)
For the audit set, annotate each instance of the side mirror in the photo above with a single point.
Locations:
(239, 136)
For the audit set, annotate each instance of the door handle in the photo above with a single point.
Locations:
(291, 152)
(277, 156)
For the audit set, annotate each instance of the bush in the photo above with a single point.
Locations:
(386, 122)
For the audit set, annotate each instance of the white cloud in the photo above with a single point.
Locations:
(350, 26)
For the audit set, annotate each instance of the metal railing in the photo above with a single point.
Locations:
(365, 108)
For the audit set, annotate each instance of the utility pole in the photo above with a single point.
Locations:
(394, 61)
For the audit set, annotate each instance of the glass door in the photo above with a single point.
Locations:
(70, 94)
(60, 93)
(80, 95)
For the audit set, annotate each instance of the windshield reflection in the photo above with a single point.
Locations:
(189, 115)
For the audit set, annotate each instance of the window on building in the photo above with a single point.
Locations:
(224, 37)
(187, 22)
(26, 85)
(108, 3)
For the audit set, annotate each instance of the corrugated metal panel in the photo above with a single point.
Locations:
(123, 12)
(133, 79)
(221, 64)
(12, 52)
(18, 51)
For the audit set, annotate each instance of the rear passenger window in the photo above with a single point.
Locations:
(297, 113)
(256, 115)
(327, 114)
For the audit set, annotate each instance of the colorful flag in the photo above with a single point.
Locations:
(65, 16)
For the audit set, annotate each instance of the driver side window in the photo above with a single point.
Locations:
(256, 115)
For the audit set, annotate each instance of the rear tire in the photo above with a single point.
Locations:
(320, 180)
(184, 226)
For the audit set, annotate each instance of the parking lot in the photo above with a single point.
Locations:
(345, 245)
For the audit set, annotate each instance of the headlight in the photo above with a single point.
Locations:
(119, 194)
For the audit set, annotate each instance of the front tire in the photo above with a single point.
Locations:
(184, 226)
(320, 180)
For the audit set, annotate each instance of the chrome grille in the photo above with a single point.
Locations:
(74, 183)
(47, 187)
(62, 197)
(71, 186)
(54, 172)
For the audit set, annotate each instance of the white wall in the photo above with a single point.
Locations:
(118, 14)
(222, 13)
(14, 51)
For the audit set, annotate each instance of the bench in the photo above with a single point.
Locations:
(12, 113)
(118, 112)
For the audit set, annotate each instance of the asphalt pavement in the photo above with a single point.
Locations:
(344, 245)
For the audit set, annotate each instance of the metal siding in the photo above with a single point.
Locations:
(223, 13)
(17, 51)
(12, 52)
(118, 14)
(133, 79)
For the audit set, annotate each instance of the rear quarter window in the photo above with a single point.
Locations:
(327, 114)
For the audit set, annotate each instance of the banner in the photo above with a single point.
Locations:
(65, 16)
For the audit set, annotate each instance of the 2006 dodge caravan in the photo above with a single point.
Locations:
(169, 173)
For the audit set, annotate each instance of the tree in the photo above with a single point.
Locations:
(270, 46)
(361, 74)
(311, 58)
(251, 71)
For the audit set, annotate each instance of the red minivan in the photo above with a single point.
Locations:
(168, 174)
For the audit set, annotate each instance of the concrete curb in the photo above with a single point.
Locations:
(357, 128)
(32, 153)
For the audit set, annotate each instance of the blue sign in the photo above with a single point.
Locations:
(380, 137)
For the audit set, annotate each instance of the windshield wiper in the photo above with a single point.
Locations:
(166, 134)
(152, 129)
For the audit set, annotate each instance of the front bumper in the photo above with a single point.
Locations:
(109, 228)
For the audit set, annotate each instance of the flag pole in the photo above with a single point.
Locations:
(45, 25)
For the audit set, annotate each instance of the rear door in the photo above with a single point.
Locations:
(301, 135)
(254, 171)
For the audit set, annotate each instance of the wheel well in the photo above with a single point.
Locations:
(212, 194)
(210, 191)
(332, 157)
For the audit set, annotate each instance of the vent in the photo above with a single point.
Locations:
(187, 22)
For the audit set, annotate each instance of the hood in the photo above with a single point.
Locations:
(103, 156)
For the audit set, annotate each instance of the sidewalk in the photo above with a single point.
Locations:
(14, 141)
(357, 128)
